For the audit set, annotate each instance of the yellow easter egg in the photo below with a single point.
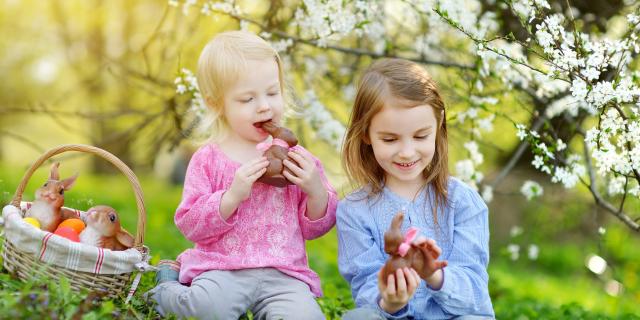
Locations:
(32, 221)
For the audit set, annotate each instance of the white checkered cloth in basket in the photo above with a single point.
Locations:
(59, 251)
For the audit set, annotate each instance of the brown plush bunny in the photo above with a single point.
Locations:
(104, 230)
(403, 253)
(276, 152)
(46, 208)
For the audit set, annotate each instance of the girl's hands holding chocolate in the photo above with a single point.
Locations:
(245, 177)
(304, 174)
(397, 289)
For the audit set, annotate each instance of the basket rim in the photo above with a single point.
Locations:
(124, 169)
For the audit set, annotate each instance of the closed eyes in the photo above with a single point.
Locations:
(388, 140)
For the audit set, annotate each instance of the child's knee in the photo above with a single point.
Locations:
(292, 309)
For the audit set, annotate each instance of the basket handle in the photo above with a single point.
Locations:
(142, 216)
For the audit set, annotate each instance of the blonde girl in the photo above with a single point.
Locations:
(249, 237)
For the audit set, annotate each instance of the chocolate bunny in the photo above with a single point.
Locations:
(276, 152)
(104, 230)
(403, 252)
(46, 208)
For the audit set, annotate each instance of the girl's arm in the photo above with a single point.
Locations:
(317, 210)
(198, 215)
(464, 289)
(360, 258)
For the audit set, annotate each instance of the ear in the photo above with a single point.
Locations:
(209, 102)
(125, 238)
(396, 223)
(53, 174)
(69, 182)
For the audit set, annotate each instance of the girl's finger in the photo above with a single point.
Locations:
(292, 178)
(255, 169)
(420, 240)
(416, 276)
(434, 249)
(441, 264)
(299, 158)
(253, 166)
(437, 250)
(426, 252)
(411, 280)
(298, 171)
(391, 285)
(256, 175)
(401, 282)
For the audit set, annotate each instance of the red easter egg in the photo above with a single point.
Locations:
(68, 232)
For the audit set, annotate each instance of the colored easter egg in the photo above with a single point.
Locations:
(32, 221)
(68, 232)
(75, 224)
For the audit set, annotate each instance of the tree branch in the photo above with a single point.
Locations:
(351, 51)
(621, 215)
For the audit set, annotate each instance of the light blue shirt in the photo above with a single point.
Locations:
(463, 236)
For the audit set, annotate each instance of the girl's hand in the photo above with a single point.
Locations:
(431, 252)
(245, 176)
(397, 289)
(304, 174)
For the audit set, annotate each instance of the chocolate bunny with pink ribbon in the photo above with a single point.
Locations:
(404, 253)
(276, 152)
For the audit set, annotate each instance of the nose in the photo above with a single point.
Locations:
(407, 150)
(263, 105)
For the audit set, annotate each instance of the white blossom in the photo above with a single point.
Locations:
(515, 231)
(616, 185)
(487, 193)
(537, 162)
(533, 252)
(514, 251)
(522, 132)
(531, 189)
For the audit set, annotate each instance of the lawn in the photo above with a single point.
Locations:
(557, 285)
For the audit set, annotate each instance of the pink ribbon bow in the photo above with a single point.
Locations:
(406, 243)
(263, 146)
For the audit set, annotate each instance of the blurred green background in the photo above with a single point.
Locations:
(102, 73)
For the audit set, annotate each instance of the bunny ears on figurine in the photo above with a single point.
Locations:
(46, 207)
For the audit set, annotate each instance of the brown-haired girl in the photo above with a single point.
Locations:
(395, 152)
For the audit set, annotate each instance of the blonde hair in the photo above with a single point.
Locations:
(219, 66)
(405, 80)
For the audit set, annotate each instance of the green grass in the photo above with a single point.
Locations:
(555, 286)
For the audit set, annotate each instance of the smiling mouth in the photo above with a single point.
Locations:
(406, 164)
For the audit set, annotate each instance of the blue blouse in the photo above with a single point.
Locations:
(462, 233)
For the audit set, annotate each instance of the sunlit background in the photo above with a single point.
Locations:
(116, 74)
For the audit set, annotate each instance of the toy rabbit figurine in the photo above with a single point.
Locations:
(104, 230)
(276, 152)
(46, 208)
(403, 252)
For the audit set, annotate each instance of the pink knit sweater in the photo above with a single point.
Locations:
(267, 230)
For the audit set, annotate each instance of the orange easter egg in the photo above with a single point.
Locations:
(75, 224)
(68, 232)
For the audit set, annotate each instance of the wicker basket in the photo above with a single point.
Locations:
(26, 264)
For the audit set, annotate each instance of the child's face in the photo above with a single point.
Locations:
(254, 98)
(403, 140)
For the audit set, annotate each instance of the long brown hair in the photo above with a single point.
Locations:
(405, 80)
